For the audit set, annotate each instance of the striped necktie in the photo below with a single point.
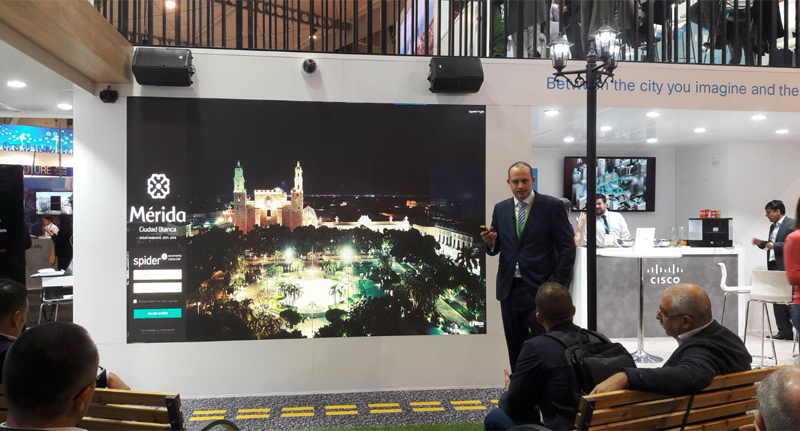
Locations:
(520, 217)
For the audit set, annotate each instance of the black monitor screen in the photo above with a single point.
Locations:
(628, 183)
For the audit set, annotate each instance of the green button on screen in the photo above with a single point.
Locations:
(157, 313)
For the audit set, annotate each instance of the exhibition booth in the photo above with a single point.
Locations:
(228, 134)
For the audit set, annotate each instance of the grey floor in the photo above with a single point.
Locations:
(386, 408)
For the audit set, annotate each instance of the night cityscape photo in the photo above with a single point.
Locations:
(308, 219)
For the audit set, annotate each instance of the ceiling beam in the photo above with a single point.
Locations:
(70, 37)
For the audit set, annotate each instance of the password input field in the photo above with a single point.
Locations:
(157, 287)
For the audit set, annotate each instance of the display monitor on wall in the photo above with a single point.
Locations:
(256, 220)
(53, 202)
(629, 183)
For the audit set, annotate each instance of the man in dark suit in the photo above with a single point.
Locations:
(13, 315)
(780, 228)
(533, 236)
(542, 380)
(49, 377)
(707, 349)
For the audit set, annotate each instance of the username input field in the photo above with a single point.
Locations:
(157, 274)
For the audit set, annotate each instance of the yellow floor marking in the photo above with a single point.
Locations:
(342, 412)
(291, 415)
(205, 418)
(425, 403)
(466, 402)
(387, 411)
(254, 410)
(495, 401)
(429, 409)
(208, 412)
(252, 416)
(292, 409)
(384, 405)
(470, 407)
(344, 406)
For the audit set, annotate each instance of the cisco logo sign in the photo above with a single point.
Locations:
(158, 186)
(668, 275)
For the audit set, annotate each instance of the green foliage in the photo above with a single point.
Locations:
(292, 317)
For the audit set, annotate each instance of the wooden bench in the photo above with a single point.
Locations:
(113, 409)
(723, 405)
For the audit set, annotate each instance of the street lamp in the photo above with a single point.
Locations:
(594, 76)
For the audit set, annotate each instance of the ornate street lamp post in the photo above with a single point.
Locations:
(593, 77)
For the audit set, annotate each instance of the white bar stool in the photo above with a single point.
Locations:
(729, 290)
(768, 287)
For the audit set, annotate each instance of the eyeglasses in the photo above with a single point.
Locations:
(660, 314)
(94, 381)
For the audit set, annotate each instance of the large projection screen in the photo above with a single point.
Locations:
(252, 220)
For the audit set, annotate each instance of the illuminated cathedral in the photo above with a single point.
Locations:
(269, 207)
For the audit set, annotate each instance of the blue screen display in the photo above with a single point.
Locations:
(35, 139)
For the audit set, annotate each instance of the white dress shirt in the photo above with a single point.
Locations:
(774, 237)
(616, 224)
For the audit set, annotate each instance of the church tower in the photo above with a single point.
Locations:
(296, 210)
(239, 198)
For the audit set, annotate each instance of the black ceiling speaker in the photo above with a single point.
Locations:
(169, 67)
(455, 75)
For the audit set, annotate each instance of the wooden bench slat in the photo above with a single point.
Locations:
(732, 423)
(676, 418)
(158, 415)
(112, 424)
(740, 378)
(616, 398)
(650, 408)
(142, 398)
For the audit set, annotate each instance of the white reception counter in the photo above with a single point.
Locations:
(618, 286)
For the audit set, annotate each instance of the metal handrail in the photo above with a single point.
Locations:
(736, 32)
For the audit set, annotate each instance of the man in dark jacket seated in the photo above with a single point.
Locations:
(706, 349)
(541, 382)
(49, 375)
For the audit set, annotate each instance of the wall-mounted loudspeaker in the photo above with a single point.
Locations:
(455, 75)
(171, 67)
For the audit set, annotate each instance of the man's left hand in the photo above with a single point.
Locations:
(614, 383)
(769, 246)
(507, 379)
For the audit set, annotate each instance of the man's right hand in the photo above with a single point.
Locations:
(756, 242)
(489, 236)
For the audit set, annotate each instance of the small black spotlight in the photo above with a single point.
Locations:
(109, 95)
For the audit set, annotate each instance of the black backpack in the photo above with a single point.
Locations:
(592, 358)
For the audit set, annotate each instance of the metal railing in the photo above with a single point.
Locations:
(746, 32)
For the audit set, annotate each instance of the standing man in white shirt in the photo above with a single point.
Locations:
(611, 226)
(781, 227)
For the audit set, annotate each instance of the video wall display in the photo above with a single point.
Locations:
(36, 139)
(628, 183)
(252, 220)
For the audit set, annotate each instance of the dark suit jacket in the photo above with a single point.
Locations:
(542, 380)
(545, 250)
(5, 344)
(784, 231)
(711, 352)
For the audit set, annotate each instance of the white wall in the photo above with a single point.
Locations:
(511, 88)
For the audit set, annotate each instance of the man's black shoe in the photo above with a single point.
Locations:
(780, 336)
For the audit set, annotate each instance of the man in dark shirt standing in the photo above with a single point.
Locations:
(706, 348)
(541, 382)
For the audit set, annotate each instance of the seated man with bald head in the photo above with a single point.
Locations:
(541, 382)
(705, 350)
(49, 376)
(778, 399)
